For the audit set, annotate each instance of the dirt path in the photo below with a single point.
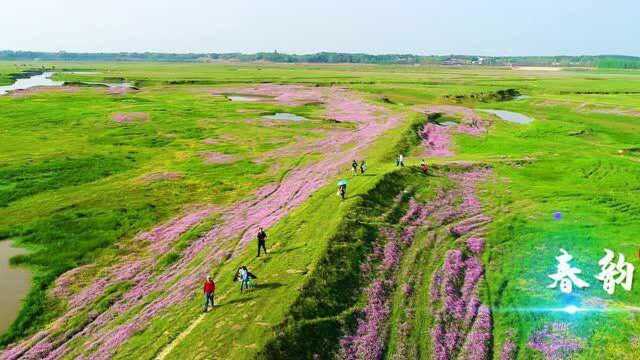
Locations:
(237, 224)
(167, 350)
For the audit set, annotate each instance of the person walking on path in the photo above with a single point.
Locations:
(400, 160)
(209, 290)
(250, 277)
(242, 275)
(363, 167)
(342, 190)
(424, 167)
(354, 166)
(262, 240)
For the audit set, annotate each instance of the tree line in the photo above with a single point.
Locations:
(600, 61)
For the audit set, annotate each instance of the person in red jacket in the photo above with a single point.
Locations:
(209, 290)
(424, 167)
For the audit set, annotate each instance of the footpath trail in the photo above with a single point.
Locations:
(153, 293)
(167, 350)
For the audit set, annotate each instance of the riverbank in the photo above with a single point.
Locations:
(15, 283)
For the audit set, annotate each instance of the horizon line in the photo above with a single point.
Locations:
(311, 53)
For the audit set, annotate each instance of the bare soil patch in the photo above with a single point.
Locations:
(130, 117)
(161, 176)
(218, 158)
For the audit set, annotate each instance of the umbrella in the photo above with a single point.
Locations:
(342, 182)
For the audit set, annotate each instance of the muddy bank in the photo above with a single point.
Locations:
(14, 285)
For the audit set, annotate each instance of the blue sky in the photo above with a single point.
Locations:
(489, 27)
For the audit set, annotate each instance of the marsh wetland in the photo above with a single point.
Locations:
(120, 202)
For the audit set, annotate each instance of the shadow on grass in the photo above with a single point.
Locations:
(267, 286)
(286, 250)
(236, 301)
(352, 197)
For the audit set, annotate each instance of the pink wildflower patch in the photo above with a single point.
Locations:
(392, 255)
(119, 90)
(475, 244)
(471, 129)
(218, 158)
(477, 346)
(369, 338)
(463, 323)
(555, 341)
(43, 89)
(509, 350)
(130, 117)
(436, 140)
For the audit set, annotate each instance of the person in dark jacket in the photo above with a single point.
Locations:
(342, 190)
(262, 240)
(209, 290)
(354, 167)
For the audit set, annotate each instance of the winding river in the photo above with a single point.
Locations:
(43, 79)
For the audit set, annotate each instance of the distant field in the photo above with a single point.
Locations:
(84, 171)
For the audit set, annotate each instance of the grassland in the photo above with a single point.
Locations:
(76, 187)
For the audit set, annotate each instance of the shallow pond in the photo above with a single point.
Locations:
(124, 85)
(247, 98)
(285, 116)
(43, 79)
(14, 285)
(510, 116)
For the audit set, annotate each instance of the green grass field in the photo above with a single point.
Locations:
(77, 187)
